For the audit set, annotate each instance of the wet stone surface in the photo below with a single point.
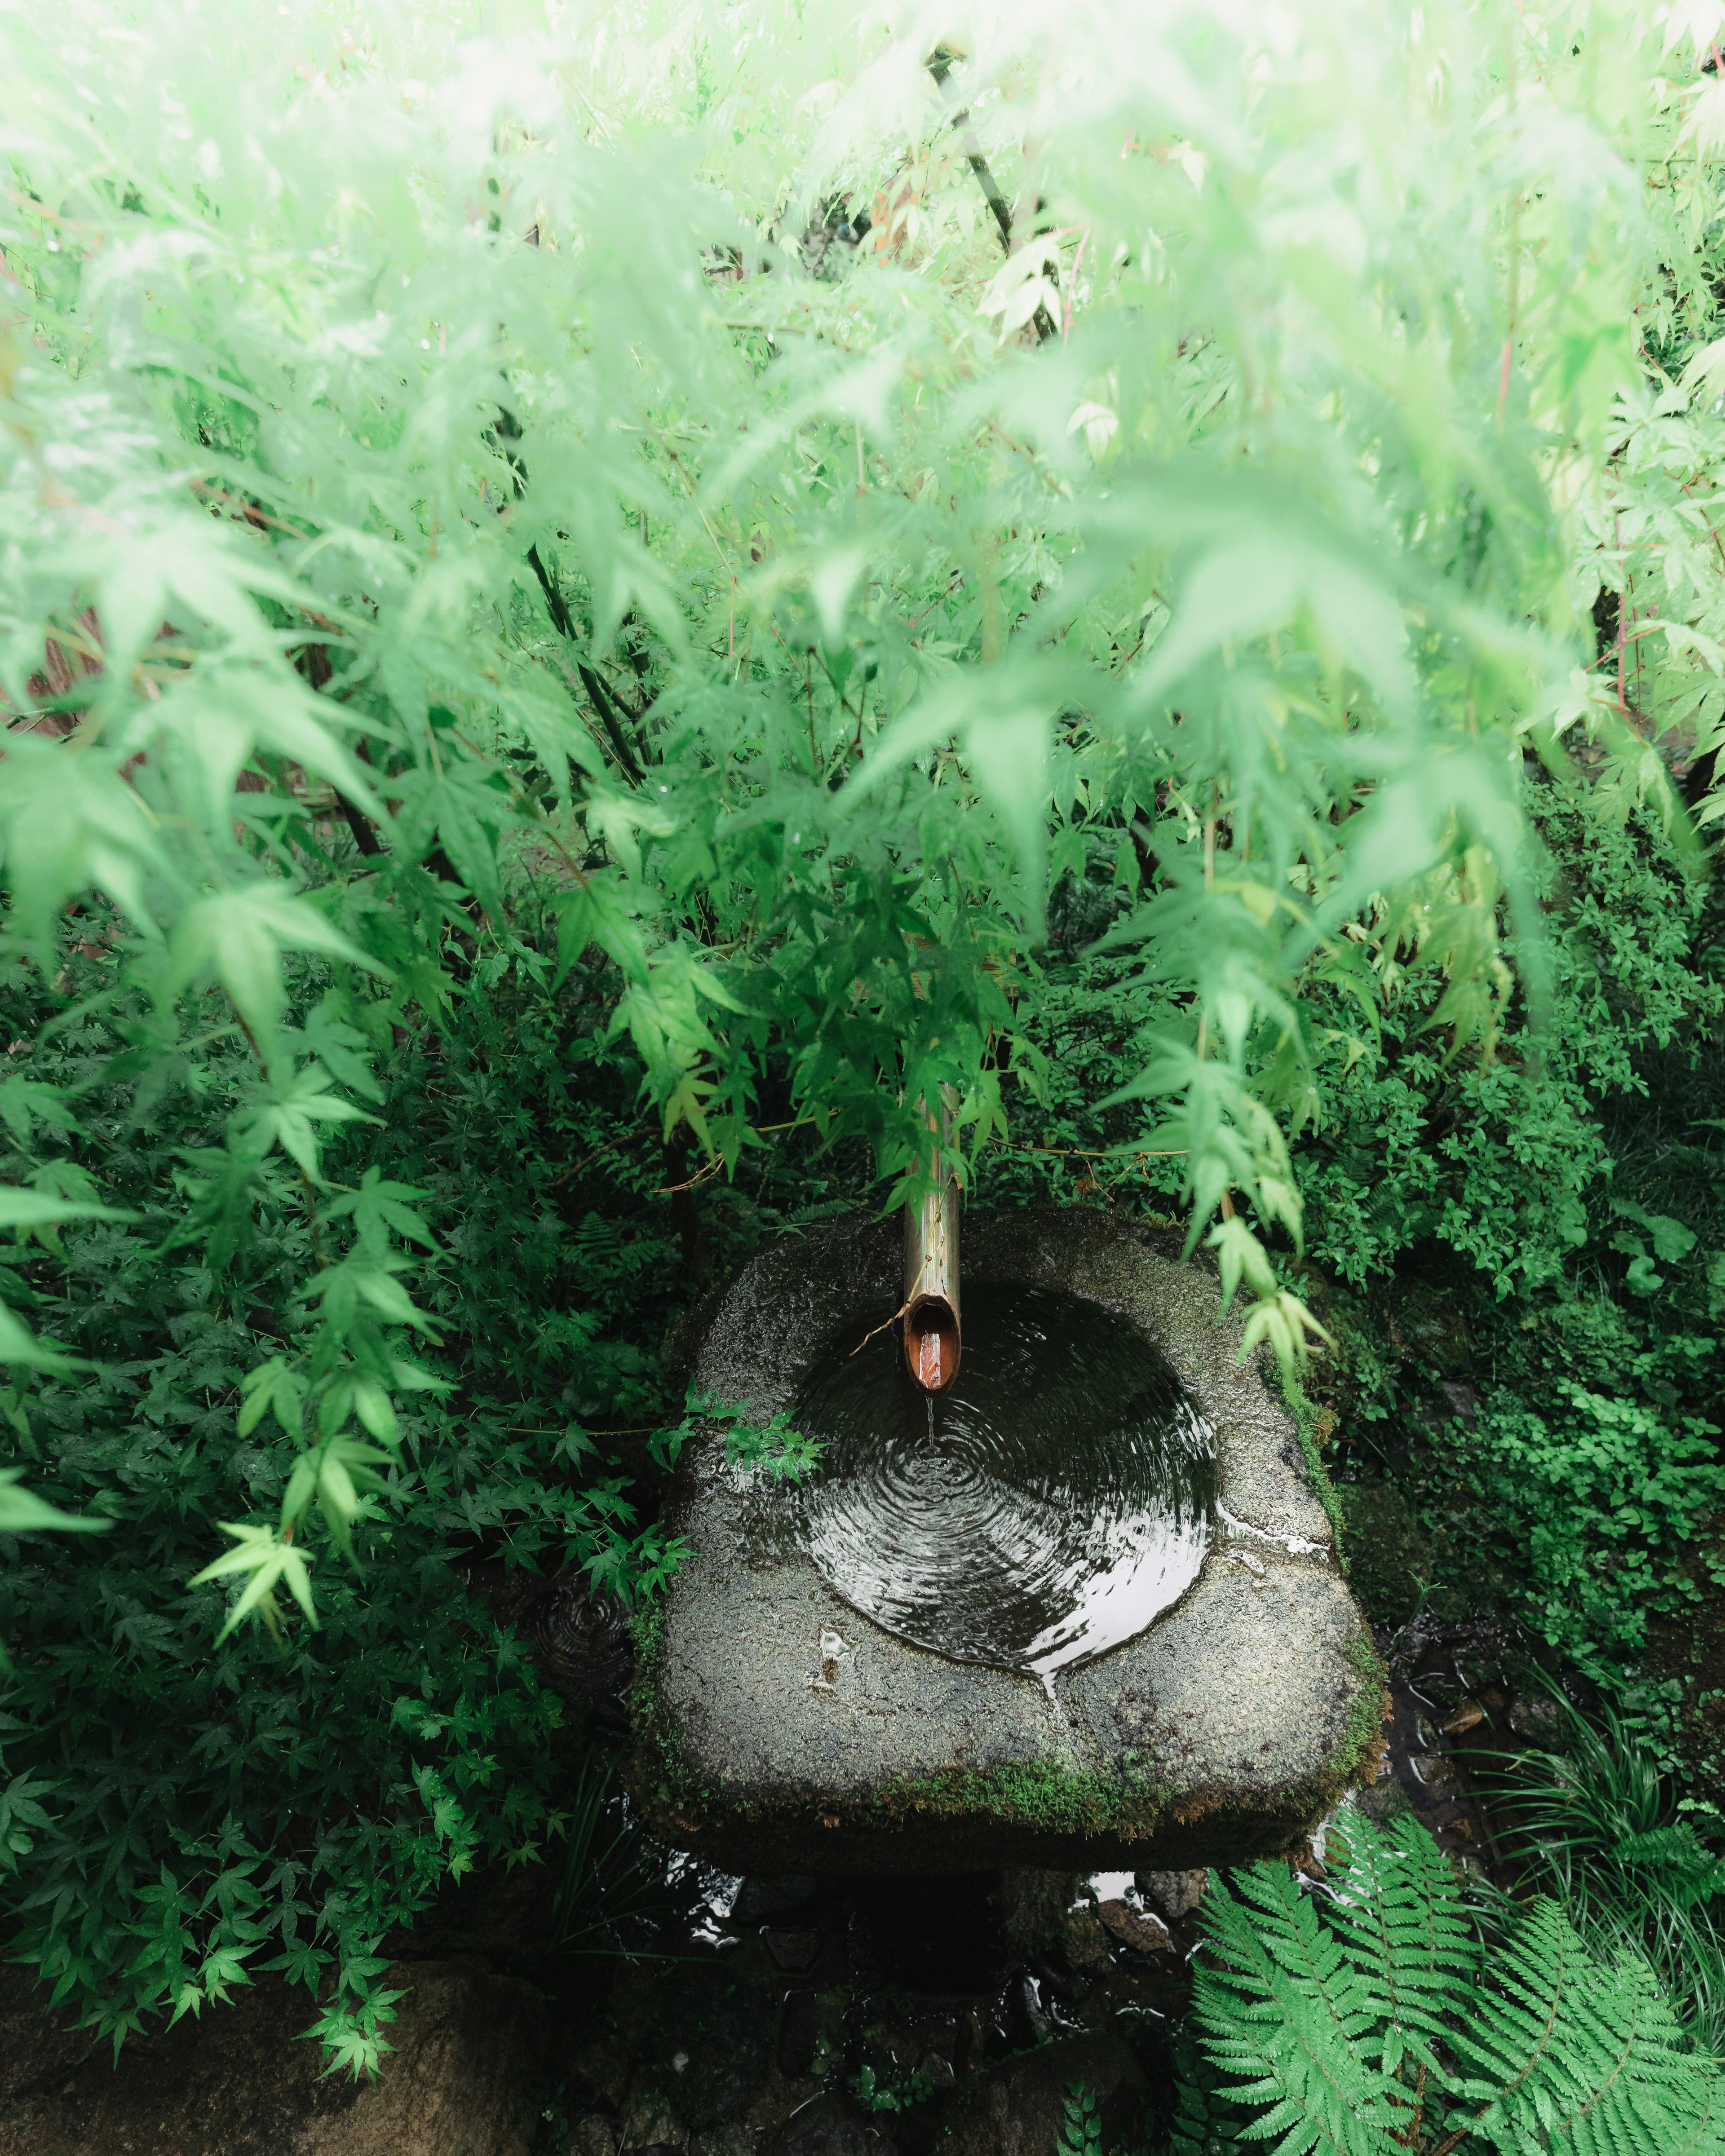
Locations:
(781, 1726)
(1032, 1540)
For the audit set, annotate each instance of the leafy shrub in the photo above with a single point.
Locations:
(520, 697)
(1591, 1500)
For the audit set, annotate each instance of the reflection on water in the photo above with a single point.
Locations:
(1045, 1508)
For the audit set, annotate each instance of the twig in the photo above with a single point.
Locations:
(700, 1175)
(903, 1307)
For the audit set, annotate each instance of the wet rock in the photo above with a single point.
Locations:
(1141, 1930)
(1084, 1942)
(37, 2046)
(1175, 1893)
(1384, 1801)
(1538, 1719)
(1020, 2108)
(733, 2139)
(594, 2135)
(1030, 1907)
(602, 2065)
(831, 2126)
(793, 1950)
(1438, 1774)
(1222, 1730)
(1027, 2019)
(471, 2064)
(732, 2045)
(799, 2035)
(889, 2051)
(650, 2122)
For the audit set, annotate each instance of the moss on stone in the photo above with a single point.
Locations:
(1040, 1794)
(1315, 1424)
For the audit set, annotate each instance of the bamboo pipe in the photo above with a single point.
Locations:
(933, 1342)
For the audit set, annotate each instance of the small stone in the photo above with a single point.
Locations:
(1437, 1773)
(1175, 1893)
(793, 1950)
(1136, 1928)
(1539, 1718)
(1084, 1942)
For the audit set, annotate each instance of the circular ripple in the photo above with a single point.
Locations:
(1045, 1508)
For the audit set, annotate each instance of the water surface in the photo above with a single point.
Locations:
(1048, 1506)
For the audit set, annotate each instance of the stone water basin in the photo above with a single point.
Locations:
(1084, 1609)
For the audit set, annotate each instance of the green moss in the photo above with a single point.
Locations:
(661, 1778)
(1042, 1795)
(1365, 1718)
(1306, 1419)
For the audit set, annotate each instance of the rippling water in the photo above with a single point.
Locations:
(1040, 1513)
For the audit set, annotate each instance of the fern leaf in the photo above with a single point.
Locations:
(1570, 2055)
(1397, 1911)
(1206, 2122)
(1284, 2013)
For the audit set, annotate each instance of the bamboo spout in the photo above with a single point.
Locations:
(932, 1344)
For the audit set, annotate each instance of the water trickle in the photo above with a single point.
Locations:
(1048, 1506)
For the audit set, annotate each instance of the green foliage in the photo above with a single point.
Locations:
(1601, 1827)
(1082, 2128)
(1592, 1499)
(1506, 1161)
(182, 1813)
(611, 1875)
(533, 671)
(1378, 2017)
(897, 2093)
(1204, 2123)
(772, 1449)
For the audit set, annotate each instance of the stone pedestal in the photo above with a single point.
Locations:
(1224, 1730)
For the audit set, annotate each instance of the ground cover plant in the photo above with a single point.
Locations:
(590, 614)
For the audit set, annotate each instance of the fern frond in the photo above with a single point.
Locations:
(1345, 2019)
(1206, 2121)
(1396, 1910)
(1284, 2014)
(1566, 2054)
